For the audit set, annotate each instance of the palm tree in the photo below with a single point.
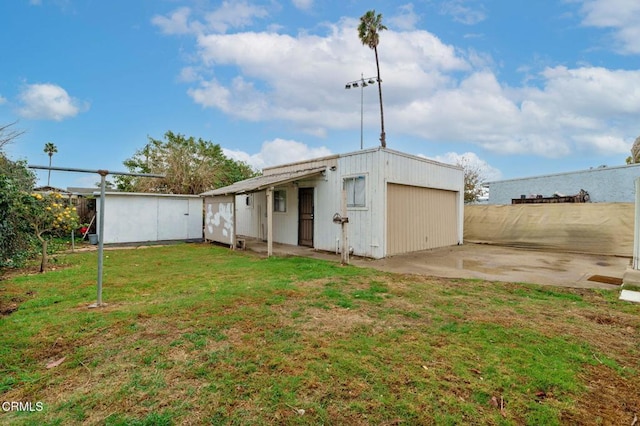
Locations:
(50, 149)
(368, 31)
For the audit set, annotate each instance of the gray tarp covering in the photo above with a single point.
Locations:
(598, 228)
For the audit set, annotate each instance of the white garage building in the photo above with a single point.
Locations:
(395, 202)
(138, 217)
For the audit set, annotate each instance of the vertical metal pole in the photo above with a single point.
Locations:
(234, 224)
(73, 232)
(103, 174)
(269, 222)
(636, 230)
(361, 111)
(344, 259)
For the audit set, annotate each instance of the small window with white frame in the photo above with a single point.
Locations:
(356, 188)
(280, 200)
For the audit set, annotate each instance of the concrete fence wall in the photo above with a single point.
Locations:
(597, 228)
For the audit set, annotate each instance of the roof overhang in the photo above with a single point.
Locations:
(263, 182)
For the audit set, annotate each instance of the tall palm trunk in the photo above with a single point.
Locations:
(383, 137)
(49, 176)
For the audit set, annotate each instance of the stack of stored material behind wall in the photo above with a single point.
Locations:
(597, 228)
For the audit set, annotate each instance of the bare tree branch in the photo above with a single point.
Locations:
(8, 134)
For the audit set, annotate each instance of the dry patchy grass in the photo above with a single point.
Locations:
(196, 334)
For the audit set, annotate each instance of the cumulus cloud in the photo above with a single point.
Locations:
(464, 11)
(621, 16)
(303, 4)
(177, 22)
(431, 90)
(230, 15)
(406, 18)
(48, 102)
(276, 152)
(487, 172)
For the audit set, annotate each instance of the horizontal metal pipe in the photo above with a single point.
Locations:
(100, 172)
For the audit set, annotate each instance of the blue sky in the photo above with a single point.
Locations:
(518, 87)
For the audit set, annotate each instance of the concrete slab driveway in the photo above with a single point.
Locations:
(487, 262)
(496, 263)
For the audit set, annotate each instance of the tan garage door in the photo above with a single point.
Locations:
(420, 218)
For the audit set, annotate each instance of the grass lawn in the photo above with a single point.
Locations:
(196, 334)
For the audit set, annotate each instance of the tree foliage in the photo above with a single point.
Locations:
(15, 234)
(48, 215)
(473, 180)
(190, 166)
(27, 219)
(634, 158)
(50, 148)
(15, 181)
(369, 33)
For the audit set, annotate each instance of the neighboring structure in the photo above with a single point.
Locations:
(395, 203)
(604, 185)
(134, 217)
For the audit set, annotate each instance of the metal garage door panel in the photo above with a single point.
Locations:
(420, 218)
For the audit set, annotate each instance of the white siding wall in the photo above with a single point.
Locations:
(285, 224)
(142, 217)
(366, 224)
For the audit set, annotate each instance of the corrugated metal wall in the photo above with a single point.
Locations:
(420, 218)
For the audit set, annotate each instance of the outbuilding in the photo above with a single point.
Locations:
(395, 203)
(141, 217)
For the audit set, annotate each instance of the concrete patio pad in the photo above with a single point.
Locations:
(487, 262)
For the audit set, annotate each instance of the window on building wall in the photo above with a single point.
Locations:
(356, 191)
(280, 200)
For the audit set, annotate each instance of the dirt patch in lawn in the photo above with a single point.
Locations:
(610, 399)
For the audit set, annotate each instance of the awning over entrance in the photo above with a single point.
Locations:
(260, 183)
(263, 182)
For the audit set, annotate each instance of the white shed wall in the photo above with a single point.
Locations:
(604, 185)
(367, 225)
(132, 218)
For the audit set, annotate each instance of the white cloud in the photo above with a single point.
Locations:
(230, 15)
(464, 11)
(234, 14)
(406, 19)
(431, 90)
(313, 96)
(276, 152)
(487, 172)
(35, 2)
(48, 102)
(177, 22)
(621, 16)
(303, 4)
(188, 75)
(3, 100)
